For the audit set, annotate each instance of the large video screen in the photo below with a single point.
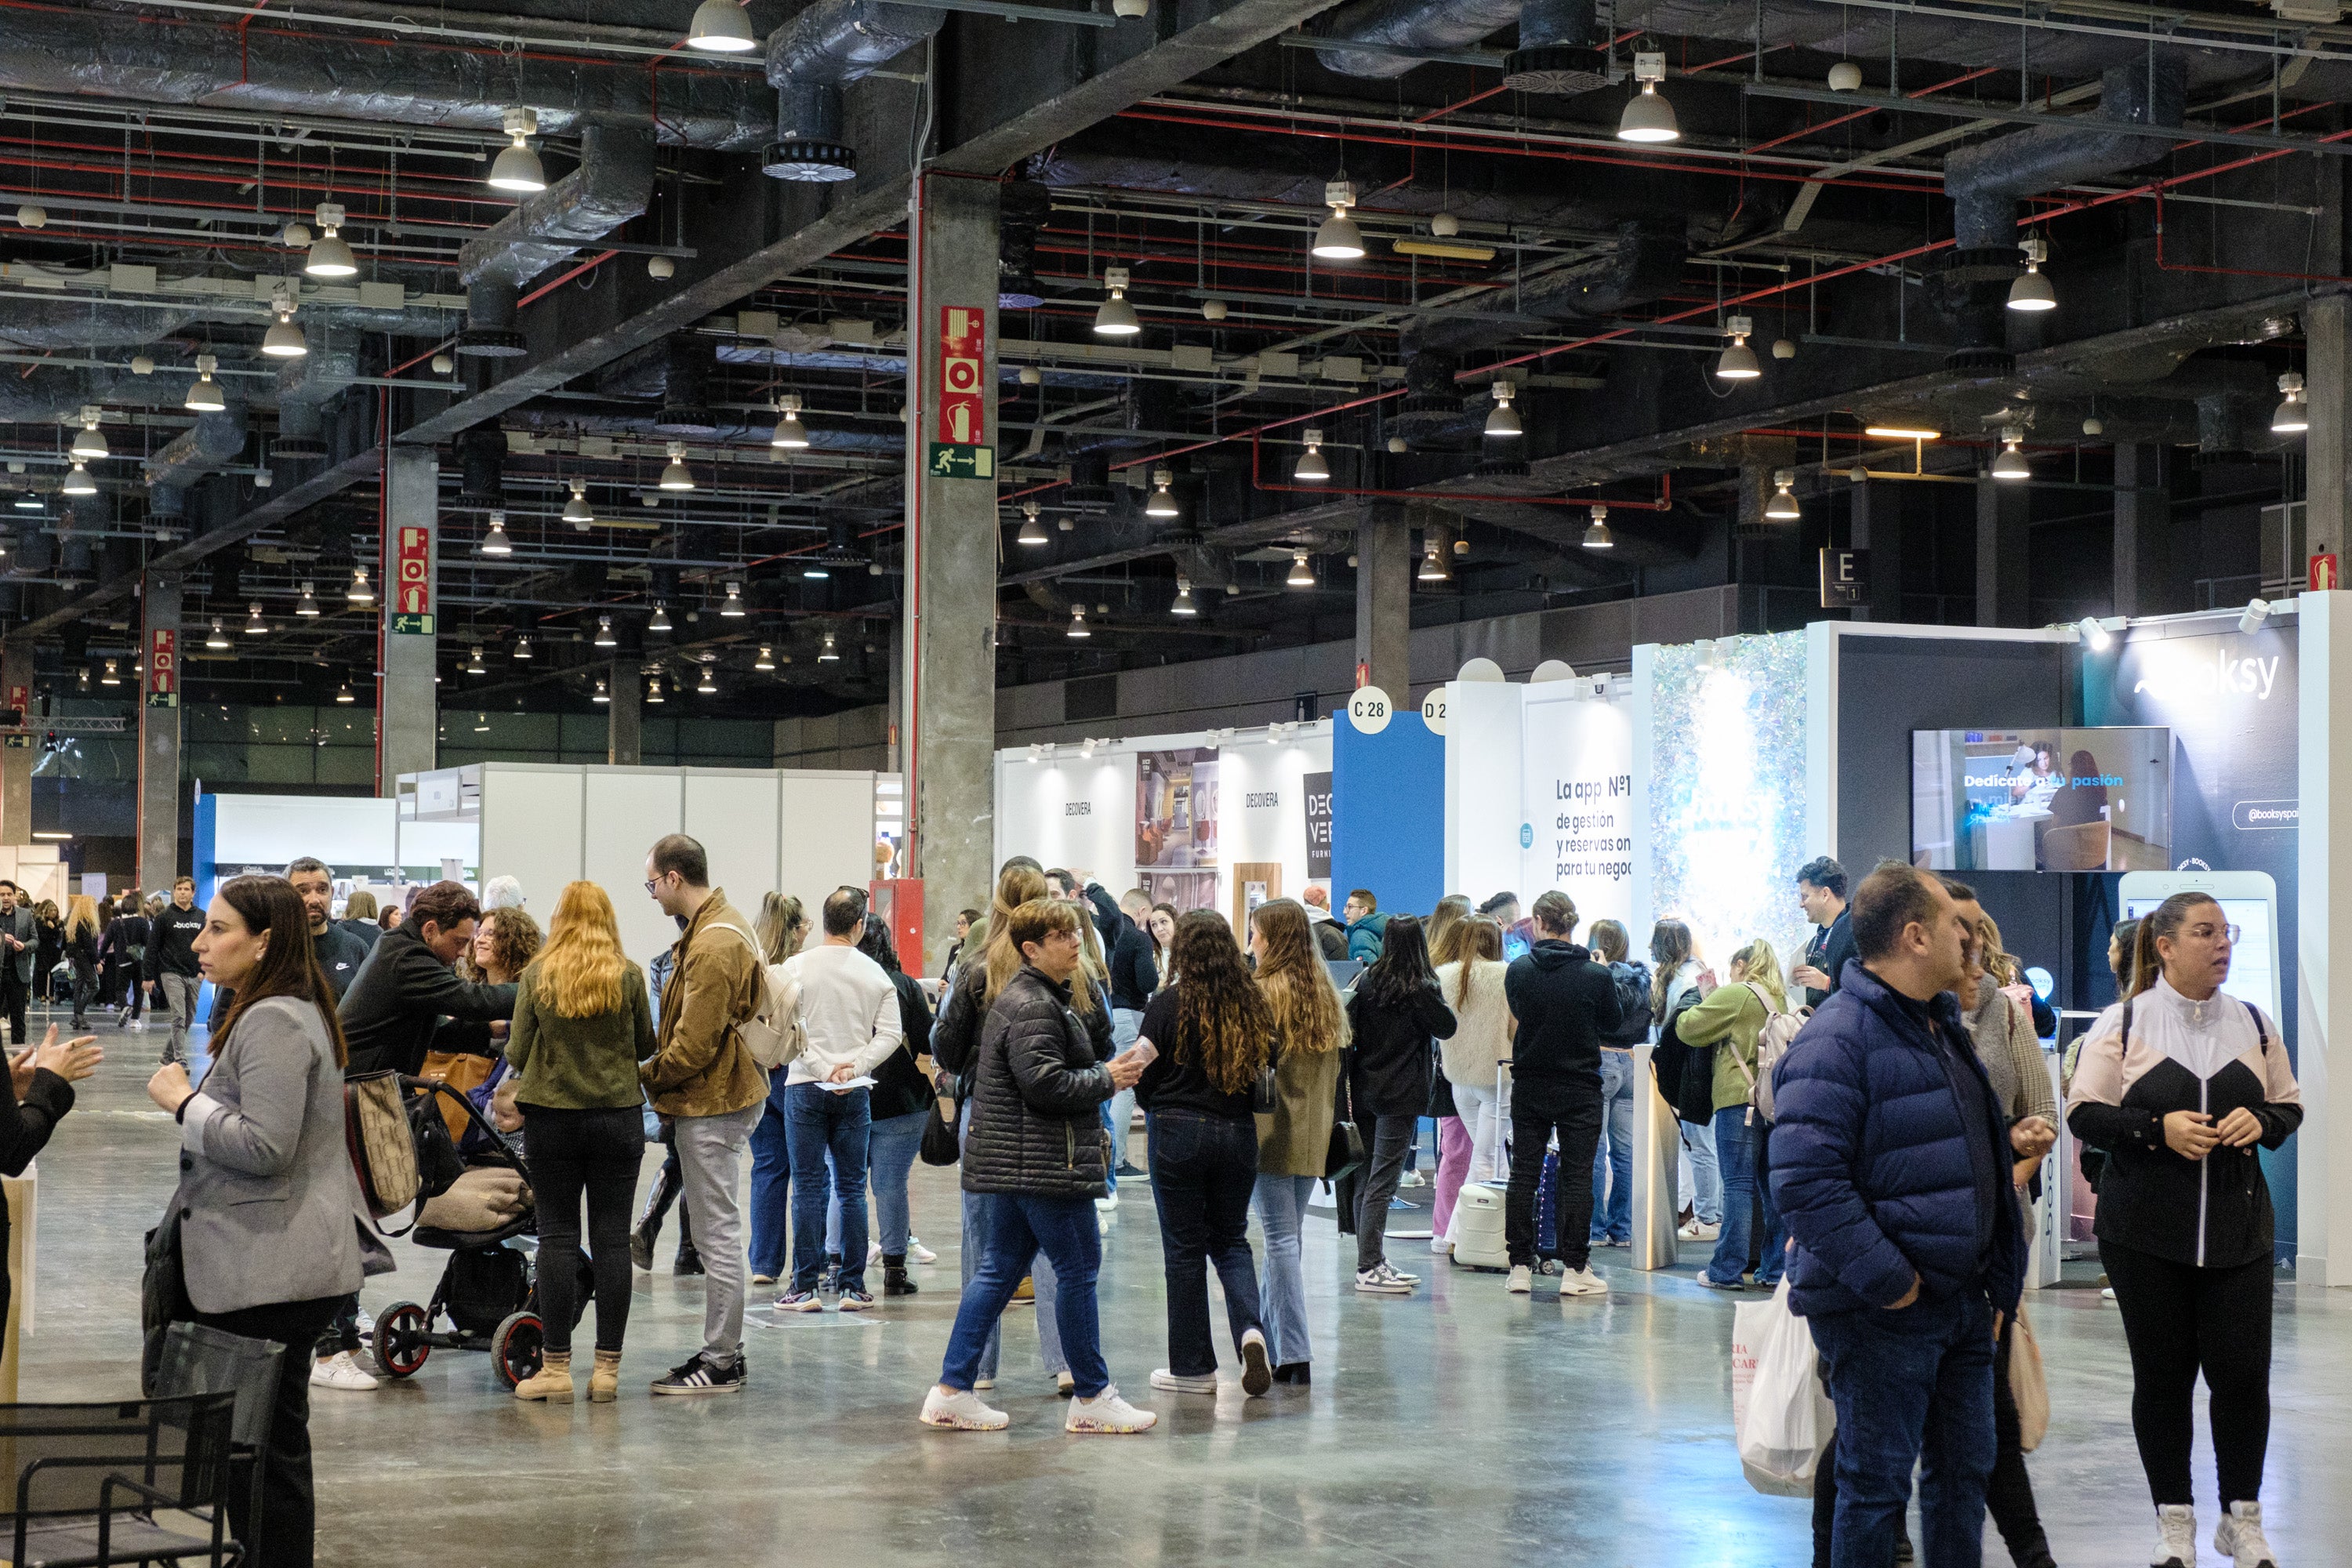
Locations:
(2042, 800)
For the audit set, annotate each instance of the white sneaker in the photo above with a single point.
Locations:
(1169, 1383)
(1413, 1179)
(2175, 1536)
(2108, 1294)
(983, 1383)
(2240, 1537)
(1381, 1279)
(873, 1253)
(340, 1371)
(1583, 1282)
(1521, 1282)
(1441, 1246)
(1107, 1205)
(960, 1412)
(366, 1325)
(1699, 1230)
(1108, 1414)
(1258, 1364)
(1408, 1279)
(917, 1253)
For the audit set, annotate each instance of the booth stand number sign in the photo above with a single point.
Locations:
(1369, 709)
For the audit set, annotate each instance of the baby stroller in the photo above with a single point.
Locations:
(489, 1292)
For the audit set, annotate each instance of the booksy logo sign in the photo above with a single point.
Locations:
(2224, 675)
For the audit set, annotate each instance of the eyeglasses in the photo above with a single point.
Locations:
(2207, 932)
(654, 882)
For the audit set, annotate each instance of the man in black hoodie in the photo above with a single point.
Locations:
(1565, 1004)
(171, 963)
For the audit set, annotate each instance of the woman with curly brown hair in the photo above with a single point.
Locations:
(1213, 1033)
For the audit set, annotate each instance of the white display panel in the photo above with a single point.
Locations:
(625, 811)
(1068, 811)
(1263, 808)
(1577, 803)
(347, 832)
(532, 828)
(424, 845)
(733, 814)
(825, 835)
(1485, 723)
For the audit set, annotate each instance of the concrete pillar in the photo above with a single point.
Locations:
(17, 754)
(1876, 528)
(408, 719)
(625, 714)
(1384, 569)
(2327, 448)
(949, 691)
(2004, 587)
(159, 735)
(2323, 1195)
(2144, 579)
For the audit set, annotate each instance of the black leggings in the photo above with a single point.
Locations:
(570, 1152)
(2179, 1319)
(289, 1512)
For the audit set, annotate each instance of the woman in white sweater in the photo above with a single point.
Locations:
(1471, 985)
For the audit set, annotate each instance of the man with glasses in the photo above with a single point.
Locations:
(703, 1079)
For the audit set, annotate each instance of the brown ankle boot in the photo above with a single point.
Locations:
(604, 1383)
(551, 1382)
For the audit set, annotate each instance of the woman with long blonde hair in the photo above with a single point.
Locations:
(82, 928)
(1733, 1016)
(581, 1024)
(781, 927)
(1310, 1031)
(1469, 1142)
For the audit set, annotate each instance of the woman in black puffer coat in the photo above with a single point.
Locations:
(1038, 1148)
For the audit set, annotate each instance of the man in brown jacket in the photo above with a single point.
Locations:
(702, 1077)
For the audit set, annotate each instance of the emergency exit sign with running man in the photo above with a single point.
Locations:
(961, 446)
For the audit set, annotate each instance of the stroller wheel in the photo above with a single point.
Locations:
(400, 1343)
(515, 1348)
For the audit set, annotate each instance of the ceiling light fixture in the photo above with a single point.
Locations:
(496, 542)
(1079, 622)
(1115, 318)
(329, 256)
(1162, 503)
(604, 637)
(1433, 565)
(28, 501)
(1845, 76)
(733, 606)
(674, 476)
(87, 444)
(309, 603)
(577, 512)
(474, 665)
(1443, 250)
(1302, 575)
(2258, 610)
(1030, 533)
(653, 689)
(601, 695)
(766, 661)
(284, 339)
(815, 570)
(790, 435)
(2293, 415)
(1504, 421)
(1338, 239)
(828, 654)
(78, 482)
(2096, 635)
(1648, 117)
(1903, 431)
(1183, 605)
(253, 623)
(2011, 464)
(1597, 536)
(359, 593)
(343, 694)
(518, 168)
(204, 392)
(1311, 467)
(2032, 291)
(722, 28)
(1737, 361)
(660, 623)
(1782, 507)
(707, 685)
(110, 678)
(522, 647)
(216, 637)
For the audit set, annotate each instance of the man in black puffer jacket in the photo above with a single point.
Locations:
(1567, 1006)
(1037, 1146)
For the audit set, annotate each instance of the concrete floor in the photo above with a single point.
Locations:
(1460, 1427)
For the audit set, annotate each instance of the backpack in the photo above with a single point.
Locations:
(1633, 982)
(773, 1034)
(1772, 1043)
(1685, 1073)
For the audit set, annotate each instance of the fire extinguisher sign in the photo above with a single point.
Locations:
(962, 445)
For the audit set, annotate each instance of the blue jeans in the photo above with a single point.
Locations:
(1612, 1162)
(1739, 1150)
(771, 1186)
(1706, 1183)
(1118, 1110)
(891, 1147)
(819, 1121)
(1911, 1386)
(979, 1210)
(1282, 1295)
(1019, 1228)
(1202, 1170)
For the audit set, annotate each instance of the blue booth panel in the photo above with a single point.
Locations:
(1388, 814)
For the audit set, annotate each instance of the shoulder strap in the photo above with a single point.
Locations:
(2125, 1040)
(1756, 990)
(2261, 1034)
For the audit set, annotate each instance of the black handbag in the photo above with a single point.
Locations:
(162, 1295)
(1345, 1151)
(939, 1146)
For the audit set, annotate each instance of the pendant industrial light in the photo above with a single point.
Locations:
(2011, 464)
(29, 501)
(329, 256)
(1115, 318)
(790, 435)
(2293, 413)
(522, 647)
(496, 542)
(660, 623)
(110, 678)
(577, 512)
(674, 476)
(1782, 507)
(1737, 361)
(1312, 468)
(253, 622)
(721, 27)
(1433, 565)
(1183, 605)
(308, 604)
(1597, 536)
(78, 482)
(474, 665)
(828, 654)
(216, 639)
(343, 694)
(359, 593)
(1340, 239)
(1162, 503)
(1079, 622)
(1030, 533)
(707, 685)
(817, 571)
(2032, 291)
(601, 695)
(284, 339)
(604, 637)
(653, 689)
(518, 168)
(734, 608)
(205, 393)
(87, 444)
(1505, 420)
(1302, 575)
(1648, 117)
(767, 660)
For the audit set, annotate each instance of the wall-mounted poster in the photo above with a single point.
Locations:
(1316, 796)
(1176, 809)
(1181, 890)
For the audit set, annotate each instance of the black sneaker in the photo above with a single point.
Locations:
(688, 1263)
(700, 1377)
(1129, 1170)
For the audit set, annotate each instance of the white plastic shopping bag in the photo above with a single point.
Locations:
(1779, 1412)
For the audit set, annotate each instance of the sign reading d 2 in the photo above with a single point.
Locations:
(163, 668)
(962, 382)
(411, 581)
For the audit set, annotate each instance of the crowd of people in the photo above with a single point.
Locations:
(1864, 1127)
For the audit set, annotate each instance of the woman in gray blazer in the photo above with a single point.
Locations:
(268, 1209)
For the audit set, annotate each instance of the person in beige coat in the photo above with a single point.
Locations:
(1309, 1029)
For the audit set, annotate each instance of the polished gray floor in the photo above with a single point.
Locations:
(1460, 1427)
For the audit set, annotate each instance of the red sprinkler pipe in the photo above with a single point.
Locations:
(2231, 271)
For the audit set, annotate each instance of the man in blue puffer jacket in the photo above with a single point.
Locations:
(1890, 1163)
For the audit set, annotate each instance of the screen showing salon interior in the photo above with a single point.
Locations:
(2042, 800)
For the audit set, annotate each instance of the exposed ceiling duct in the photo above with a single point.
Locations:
(1643, 263)
(614, 184)
(822, 49)
(214, 441)
(1426, 26)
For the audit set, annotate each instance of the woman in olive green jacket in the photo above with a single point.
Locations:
(581, 1025)
(1310, 1027)
(1731, 1019)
